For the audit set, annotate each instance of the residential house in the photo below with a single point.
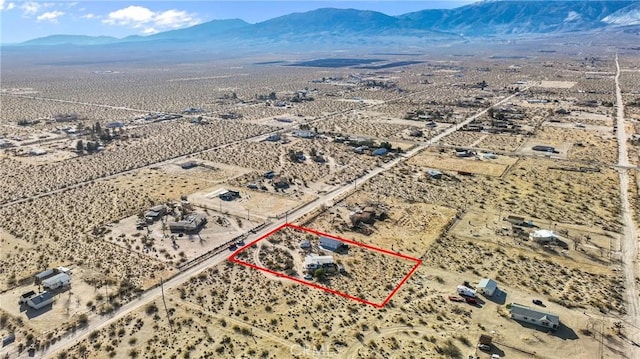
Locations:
(41, 300)
(534, 316)
(155, 213)
(192, 223)
(313, 262)
(229, 195)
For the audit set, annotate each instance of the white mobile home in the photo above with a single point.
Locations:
(533, 316)
(57, 281)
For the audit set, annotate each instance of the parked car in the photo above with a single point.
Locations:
(455, 298)
(470, 300)
(495, 356)
(308, 277)
(485, 347)
(537, 302)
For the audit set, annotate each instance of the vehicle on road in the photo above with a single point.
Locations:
(455, 298)
(537, 302)
(233, 247)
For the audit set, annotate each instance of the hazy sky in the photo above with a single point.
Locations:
(25, 20)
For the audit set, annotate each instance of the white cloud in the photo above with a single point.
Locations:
(90, 16)
(10, 6)
(30, 8)
(133, 15)
(174, 19)
(50, 16)
(152, 22)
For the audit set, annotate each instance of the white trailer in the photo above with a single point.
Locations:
(466, 291)
(57, 281)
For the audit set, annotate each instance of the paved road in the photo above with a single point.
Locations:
(97, 323)
(629, 241)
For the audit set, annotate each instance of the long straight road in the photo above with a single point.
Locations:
(629, 241)
(97, 323)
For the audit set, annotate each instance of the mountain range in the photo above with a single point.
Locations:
(330, 27)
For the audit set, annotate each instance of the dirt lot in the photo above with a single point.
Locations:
(448, 162)
(158, 243)
(255, 204)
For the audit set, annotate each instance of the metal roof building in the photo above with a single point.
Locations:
(533, 316)
(41, 300)
(331, 244)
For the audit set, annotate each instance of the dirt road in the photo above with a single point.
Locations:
(629, 242)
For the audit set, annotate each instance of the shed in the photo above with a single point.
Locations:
(189, 165)
(305, 244)
(380, 151)
(41, 300)
(487, 286)
(543, 148)
(8, 339)
(331, 244)
(435, 174)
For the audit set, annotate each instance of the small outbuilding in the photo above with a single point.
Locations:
(487, 286)
(380, 151)
(435, 174)
(331, 244)
(305, 245)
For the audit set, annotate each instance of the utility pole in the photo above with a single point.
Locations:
(165, 303)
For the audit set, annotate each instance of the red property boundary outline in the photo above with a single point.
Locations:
(233, 259)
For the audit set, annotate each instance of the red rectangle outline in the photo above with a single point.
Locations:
(233, 259)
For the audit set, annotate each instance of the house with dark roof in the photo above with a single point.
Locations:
(41, 300)
(229, 195)
(331, 244)
(192, 223)
(534, 316)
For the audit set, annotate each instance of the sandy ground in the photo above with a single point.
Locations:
(234, 311)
